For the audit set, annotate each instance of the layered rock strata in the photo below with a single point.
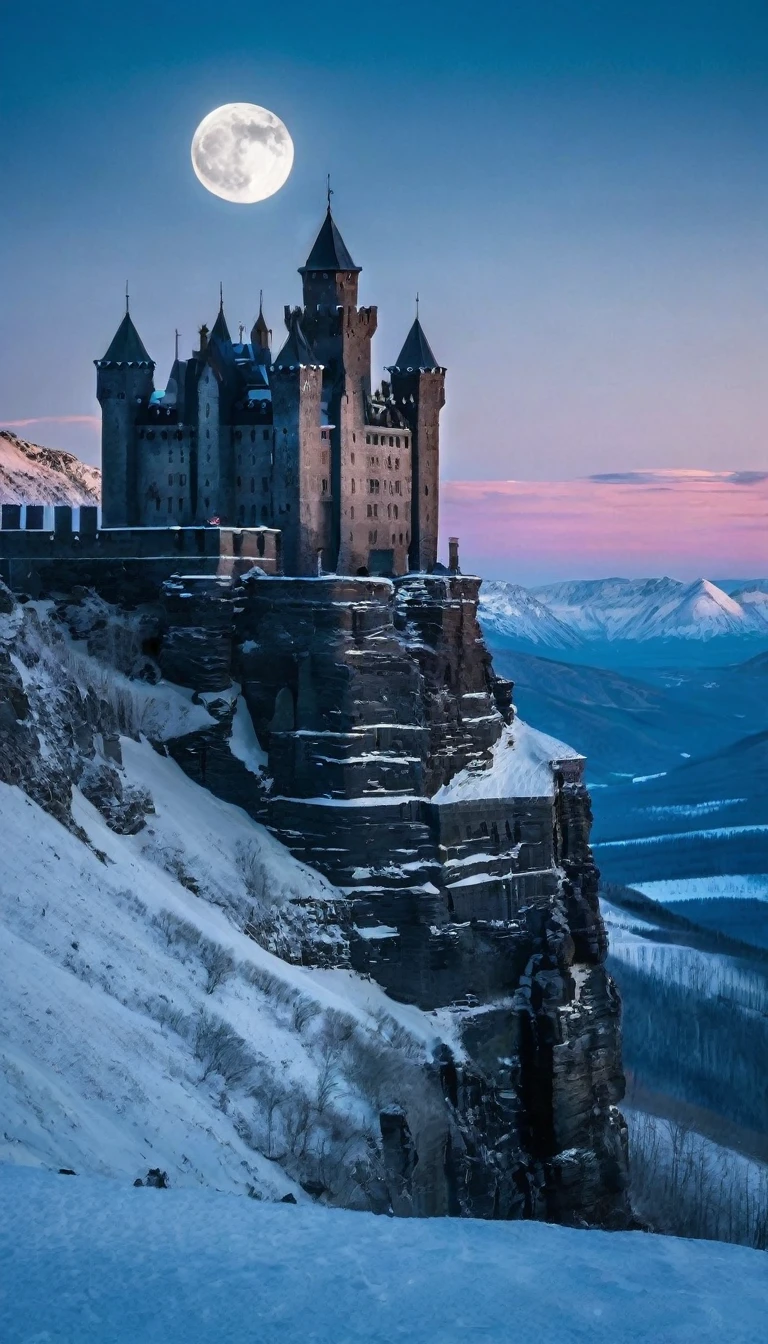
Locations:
(392, 763)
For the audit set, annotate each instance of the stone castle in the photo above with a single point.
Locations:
(296, 441)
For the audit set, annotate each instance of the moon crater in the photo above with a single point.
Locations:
(242, 152)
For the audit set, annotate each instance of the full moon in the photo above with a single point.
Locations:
(242, 152)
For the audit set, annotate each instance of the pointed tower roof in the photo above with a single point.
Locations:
(297, 349)
(260, 330)
(330, 252)
(127, 346)
(416, 352)
(220, 329)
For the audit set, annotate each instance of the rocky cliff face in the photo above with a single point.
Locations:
(361, 720)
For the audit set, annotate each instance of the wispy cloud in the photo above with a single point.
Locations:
(687, 522)
(94, 421)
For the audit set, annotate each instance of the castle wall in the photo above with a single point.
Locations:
(253, 454)
(214, 463)
(165, 458)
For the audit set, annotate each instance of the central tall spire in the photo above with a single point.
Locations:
(330, 253)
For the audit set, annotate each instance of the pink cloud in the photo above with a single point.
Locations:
(685, 522)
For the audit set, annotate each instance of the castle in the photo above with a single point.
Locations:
(298, 442)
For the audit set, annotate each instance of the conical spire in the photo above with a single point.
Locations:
(260, 330)
(297, 349)
(127, 346)
(330, 252)
(220, 329)
(416, 352)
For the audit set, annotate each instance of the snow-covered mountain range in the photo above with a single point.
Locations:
(568, 615)
(31, 474)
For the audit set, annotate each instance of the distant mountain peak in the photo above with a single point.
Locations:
(580, 611)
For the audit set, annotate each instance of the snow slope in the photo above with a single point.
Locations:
(93, 1261)
(521, 767)
(106, 958)
(31, 474)
(568, 615)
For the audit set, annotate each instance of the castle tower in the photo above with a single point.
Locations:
(124, 385)
(340, 335)
(301, 486)
(261, 336)
(418, 386)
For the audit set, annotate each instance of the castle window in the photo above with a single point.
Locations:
(182, 480)
(207, 409)
(354, 438)
(352, 458)
(389, 510)
(164, 434)
(181, 455)
(207, 433)
(352, 511)
(393, 538)
(265, 434)
(391, 441)
(375, 510)
(371, 487)
(264, 484)
(373, 537)
(367, 438)
(397, 463)
(398, 489)
(179, 434)
(207, 482)
(253, 436)
(426, 489)
(395, 510)
(389, 462)
(375, 438)
(370, 510)
(239, 482)
(397, 440)
(253, 485)
(354, 487)
(170, 479)
(401, 538)
(325, 485)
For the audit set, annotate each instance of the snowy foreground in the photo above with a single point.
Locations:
(86, 1259)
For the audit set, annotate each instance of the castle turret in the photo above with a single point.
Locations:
(418, 387)
(329, 275)
(124, 385)
(301, 478)
(260, 334)
(340, 335)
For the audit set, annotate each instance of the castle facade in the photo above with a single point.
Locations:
(298, 441)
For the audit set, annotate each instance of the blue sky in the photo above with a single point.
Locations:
(578, 191)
